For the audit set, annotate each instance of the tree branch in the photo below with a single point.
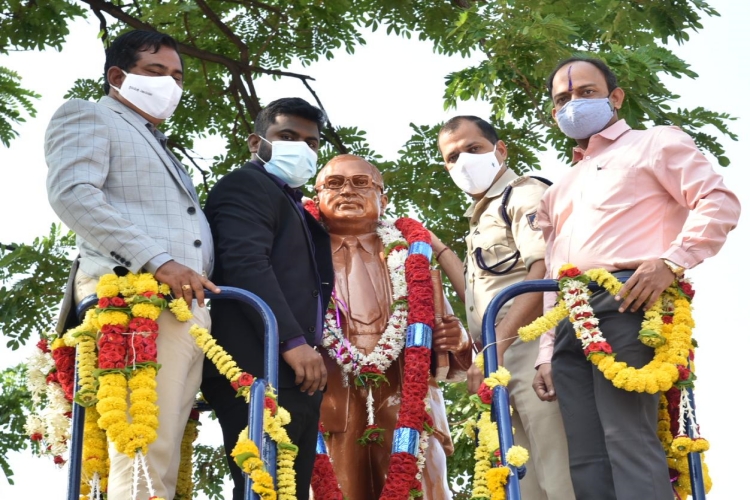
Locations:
(11, 248)
(211, 15)
(334, 138)
(184, 150)
(119, 14)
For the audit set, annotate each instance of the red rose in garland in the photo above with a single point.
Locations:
(65, 363)
(143, 325)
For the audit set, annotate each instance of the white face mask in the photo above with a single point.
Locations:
(291, 161)
(157, 96)
(473, 173)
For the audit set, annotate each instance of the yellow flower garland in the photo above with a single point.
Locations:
(672, 343)
(184, 490)
(490, 481)
(95, 457)
(245, 451)
(659, 374)
(83, 338)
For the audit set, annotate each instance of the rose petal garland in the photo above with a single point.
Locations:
(403, 470)
(324, 484)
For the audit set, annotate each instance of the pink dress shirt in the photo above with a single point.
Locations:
(634, 195)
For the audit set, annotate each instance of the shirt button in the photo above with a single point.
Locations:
(588, 157)
(471, 308)
(311, 329)
(197, 243)
(128, 264)
(191, 210)
(315, 293)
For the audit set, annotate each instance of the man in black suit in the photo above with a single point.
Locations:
(266, 243)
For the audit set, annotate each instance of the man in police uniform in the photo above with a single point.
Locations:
(504, 246)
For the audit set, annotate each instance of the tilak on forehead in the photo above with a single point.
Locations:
(570, 80)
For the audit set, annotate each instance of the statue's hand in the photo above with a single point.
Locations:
(309, 368)
(449, 336)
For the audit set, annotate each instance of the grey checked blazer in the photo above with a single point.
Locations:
(113, 184)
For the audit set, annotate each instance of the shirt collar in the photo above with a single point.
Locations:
(495, 190)
(296, 194)
(611, 134)
(367, 241)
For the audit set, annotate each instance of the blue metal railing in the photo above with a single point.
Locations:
(255, 411)
(500, 399)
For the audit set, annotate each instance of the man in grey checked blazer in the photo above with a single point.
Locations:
(133, 207)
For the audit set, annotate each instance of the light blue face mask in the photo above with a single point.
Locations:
(582, 118)
(291, 161)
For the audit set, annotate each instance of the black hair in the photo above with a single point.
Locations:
(609, 76)
(488, 131)
(124, 51)
(290, 106)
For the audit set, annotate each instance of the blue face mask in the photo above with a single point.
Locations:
(582, 118)
(291, 161)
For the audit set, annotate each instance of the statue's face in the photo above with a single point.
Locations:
(349, 194)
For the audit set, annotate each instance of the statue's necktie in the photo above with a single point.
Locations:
(363, 304)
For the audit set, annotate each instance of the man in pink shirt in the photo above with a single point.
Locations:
(640, 203)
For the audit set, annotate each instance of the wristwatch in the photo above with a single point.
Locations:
(676, 269)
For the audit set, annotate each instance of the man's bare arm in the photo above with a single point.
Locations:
(451, 265)
(525, 309)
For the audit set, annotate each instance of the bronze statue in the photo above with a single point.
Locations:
(351, 200)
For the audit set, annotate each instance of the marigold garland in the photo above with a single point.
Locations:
(95, 456)
(245, 452)
(184, 490)
(659, 374)
(127, 360)
(667, 327)
(83, 338)
(490, 475)
(115, 351)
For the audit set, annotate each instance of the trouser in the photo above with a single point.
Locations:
(538, 428)
(615, 453)
(177, 384)
(303, 429)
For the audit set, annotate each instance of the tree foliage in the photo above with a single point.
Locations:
(15, 402)
(228, 44)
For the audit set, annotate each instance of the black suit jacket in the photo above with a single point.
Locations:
(263, 244)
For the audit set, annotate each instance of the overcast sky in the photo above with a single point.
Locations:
(382, 88)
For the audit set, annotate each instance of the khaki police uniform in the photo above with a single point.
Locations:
(538, 425)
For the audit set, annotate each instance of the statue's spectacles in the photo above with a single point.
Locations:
(337, 182)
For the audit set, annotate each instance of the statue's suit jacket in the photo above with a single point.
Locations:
(117, 188)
